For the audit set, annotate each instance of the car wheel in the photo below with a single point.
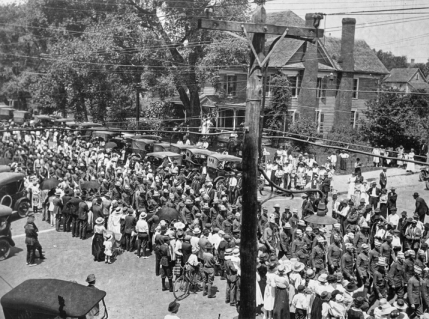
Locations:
(22, 206)
(4, 249)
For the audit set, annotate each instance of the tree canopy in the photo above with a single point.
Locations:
(87, 57)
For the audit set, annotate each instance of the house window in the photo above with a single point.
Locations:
(319, 87)
(294, 85)
(226, 118)
(320, 118)
(355, 88)
(230, 85)
(354, 116)
(417, 76)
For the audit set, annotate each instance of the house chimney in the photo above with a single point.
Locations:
(307, 99)
(343, 101)
(412, 63)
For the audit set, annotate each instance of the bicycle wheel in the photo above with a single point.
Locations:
(181, 288)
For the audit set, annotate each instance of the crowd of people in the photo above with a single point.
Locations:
(372, 263)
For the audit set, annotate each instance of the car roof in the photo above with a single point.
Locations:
(163, 154)
(225, 157)
(201, 151)
(4, 168)
(43, 296)
(8, 177)
(183, 146)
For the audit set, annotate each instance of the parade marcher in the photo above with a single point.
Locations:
(396, 278)
(32, 242)
(414, 293)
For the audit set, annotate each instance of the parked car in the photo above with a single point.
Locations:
(51, 299)
(6, 241)
(13, 193)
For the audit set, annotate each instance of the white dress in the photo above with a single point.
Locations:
(352, 184)
(270, 291)
(410, 166)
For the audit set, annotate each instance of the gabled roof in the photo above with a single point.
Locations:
(284, 51)
(420, 86)
(401, 75)
(300, 65)
(366, 61)
(285, 18)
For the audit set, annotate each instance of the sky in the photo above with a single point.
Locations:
(403, 32)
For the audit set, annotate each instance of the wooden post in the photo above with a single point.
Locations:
(249, 250)
(252, 136)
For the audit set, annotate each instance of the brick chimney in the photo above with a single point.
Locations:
(343, 101)
(412, 63)
(307, 99)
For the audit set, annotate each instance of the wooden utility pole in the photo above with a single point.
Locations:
(252, 136)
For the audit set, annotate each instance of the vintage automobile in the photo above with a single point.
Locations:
(6, 113)
(13, 193)
(4, 168)
(161, 158)
(161, 147)
(180, 149)
(6, 241)
(218, 165)
(142, 146)
(21, 116)
(52, 299)
(197, 156)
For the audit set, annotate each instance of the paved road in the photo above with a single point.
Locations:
(133, 290)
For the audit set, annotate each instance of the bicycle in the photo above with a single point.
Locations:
(186, 281)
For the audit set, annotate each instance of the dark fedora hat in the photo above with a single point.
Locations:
(173, 306)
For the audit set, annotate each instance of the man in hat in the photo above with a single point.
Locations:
(307, 207)
(421, 207)
(362, 264)
(286, 215)
(334, 254)
(208, 269)
(425, 289)
(236, 226)
(271, 234)
(386, 249)
(173, 309)
(380, 286)
(374, 254)
(186, 213)
(284, 241)
(392, 197)
(413, 235)
(348, 262)
(396, 278)
(297, 243)
(142, 230)
(300, 302)
(409, 264)
(95, 311)
(421, 259)
(82, 217)
(56, 212)
(414, 293)
(374, 194)
(383, 178)
(231, 279)
(318, 256)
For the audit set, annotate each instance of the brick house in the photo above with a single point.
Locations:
(289, 58)
(406, 80)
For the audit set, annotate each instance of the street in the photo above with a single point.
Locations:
(133, 290)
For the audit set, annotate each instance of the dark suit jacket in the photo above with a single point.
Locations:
(383, 178)
(421, 206)
(378, 191)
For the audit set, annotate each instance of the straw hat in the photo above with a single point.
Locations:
(99, 221)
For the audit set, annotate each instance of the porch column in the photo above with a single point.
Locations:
(235, 119)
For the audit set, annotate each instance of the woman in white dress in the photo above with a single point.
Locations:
(363, 192)
(411, 166)
(268, 170)
(400, 156)
(352, 185)
(270, 290)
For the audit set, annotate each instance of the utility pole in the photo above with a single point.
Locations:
(252, 136)
(137, 87)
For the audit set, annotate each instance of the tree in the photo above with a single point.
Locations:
(390, 60)
(303, 128)
(388, 119)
